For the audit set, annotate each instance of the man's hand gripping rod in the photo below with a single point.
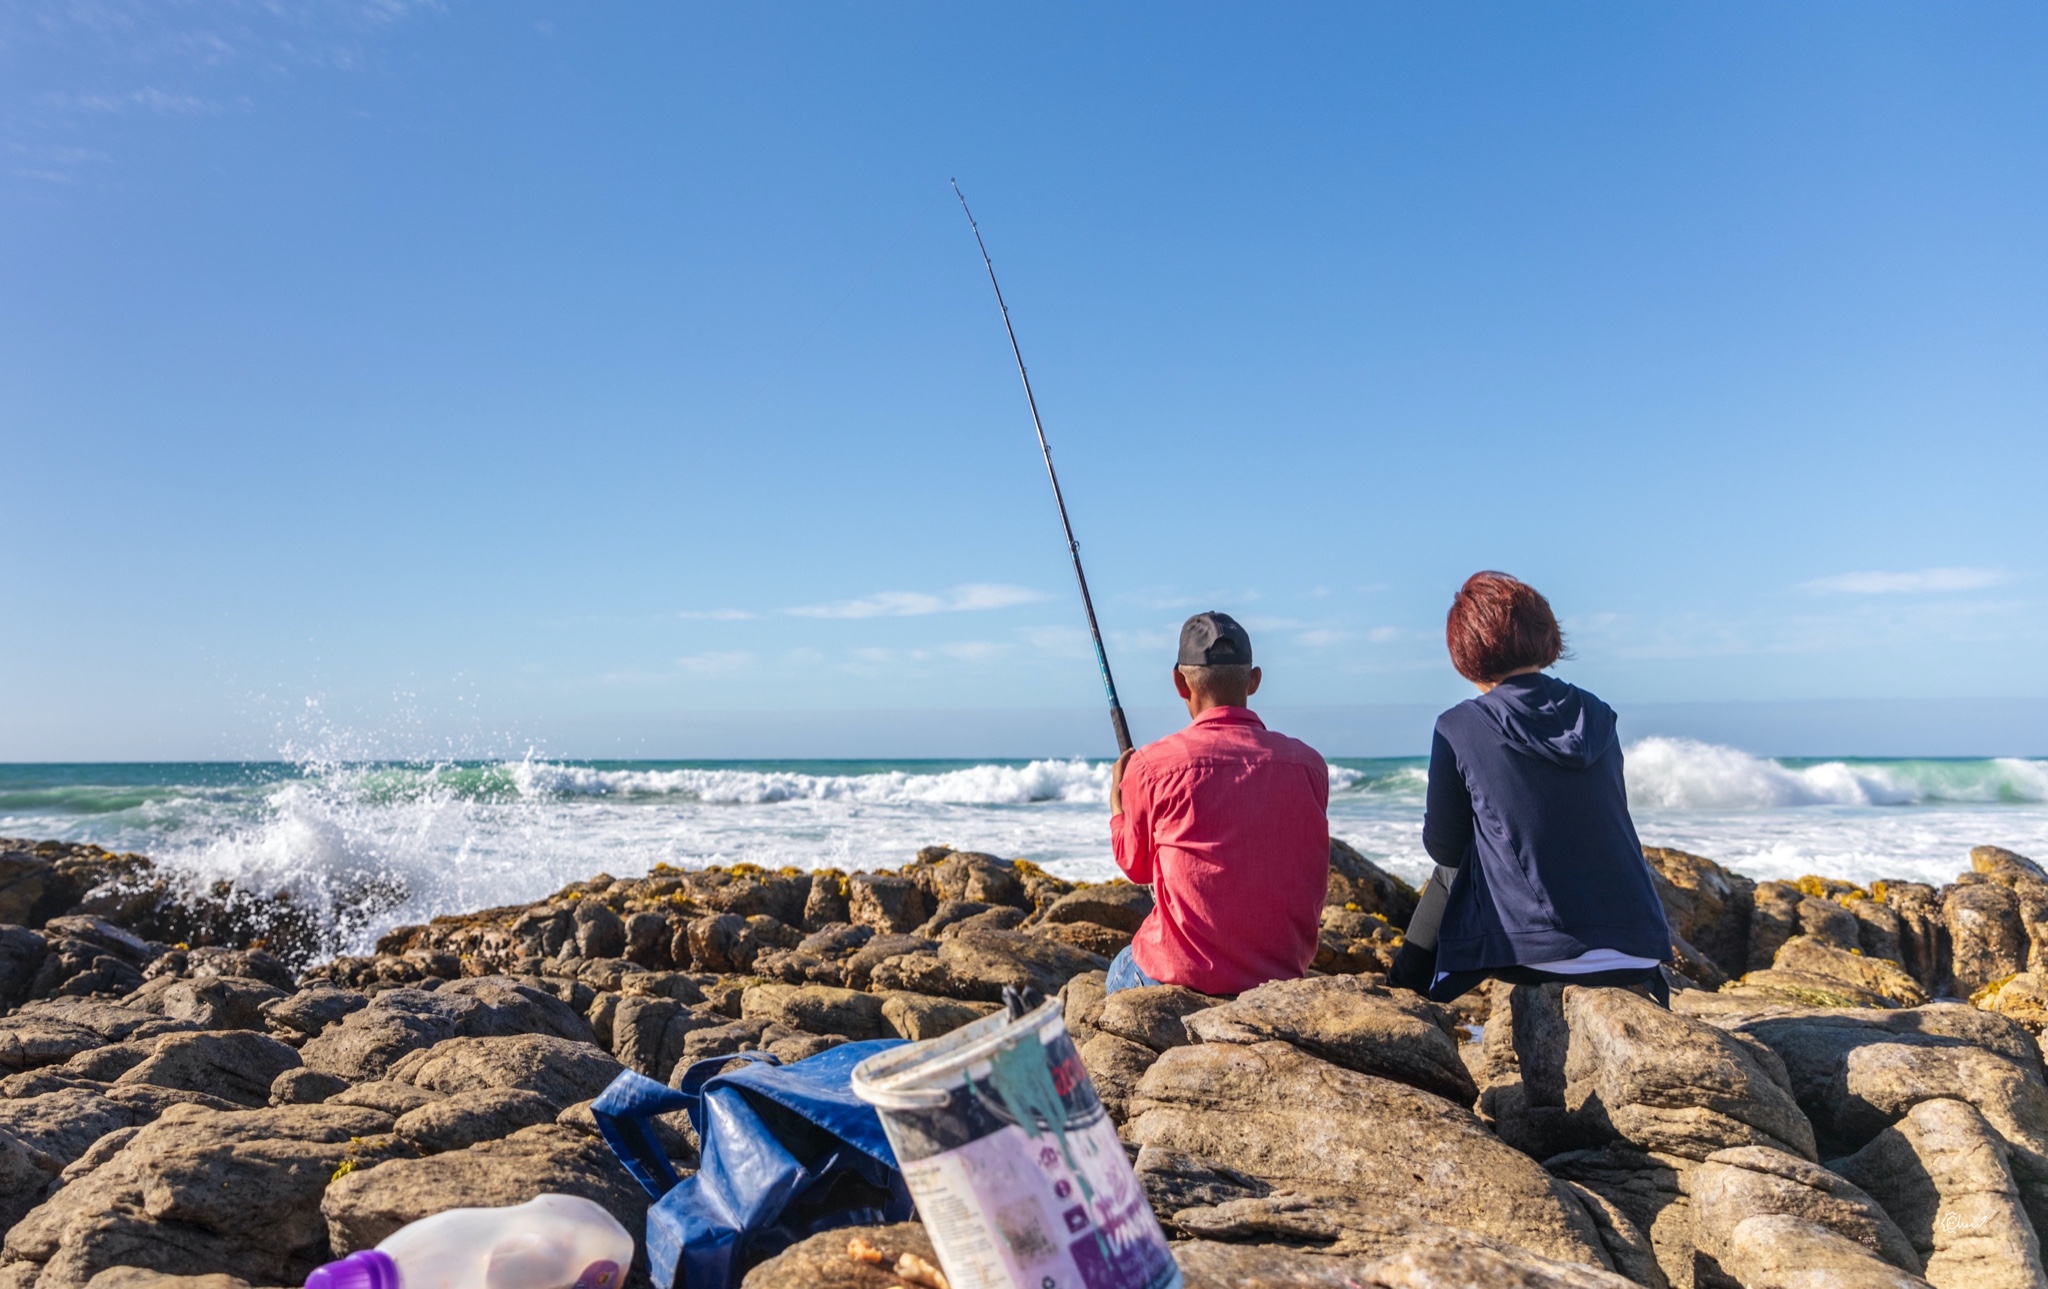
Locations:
(1116, 711)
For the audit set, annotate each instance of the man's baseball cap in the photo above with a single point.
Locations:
(1214, 640)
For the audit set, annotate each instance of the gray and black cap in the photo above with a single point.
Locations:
(1214, 640)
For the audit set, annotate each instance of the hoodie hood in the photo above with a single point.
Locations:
(1545, 717)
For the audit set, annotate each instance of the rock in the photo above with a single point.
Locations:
(1705, 904)
(558, 1070)
(1346, 1020)
(21, 957)
(1120, 906)
(365, 1043)
(676, 986)
(1854, 1080)
(1779, 1251)
(1878, 931)
(2002, 865)
(1522, 1069)
(918, 1017)
(1735, 1185)
(970, 876)
(54, 1031)
(722, 942)
(301, 1086)
(235, 1065)
(724, 1040)
(821, 1262)
(886, 903)
(1699, 970)
(790, 1046)
(105, 1064)
(1629, 1248)
(99, 1153)
(1986, 939)
(1774, 919)
(825, 903)
(480, 1114)
(1115, 1066)
(1153, 1015)
(599, 932)
(773, 933)
(218, 960)
(1804, 989)
(365, 1206)
(1669, 1083)
(141, 1278)
(1923, 935)
(816, 1009)
(1647, 1189)
(1355, 1246)
(1829, 923)
(1174, 1181)
(1302, 1124)
(648, 1033)
(976, 965)
(1357, 881)
(950, 912)
(2022, 997)
(201, 1192)
(1941, 1173)
(1085, 936)
(386, 1095)
(305, 1014)
(60, 1126)
(647, 940)
(1887, 980)
(219, 1002)
(25, 1176)
(858, 967)
(1080, 1001)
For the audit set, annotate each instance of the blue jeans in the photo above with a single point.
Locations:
(1125, 973)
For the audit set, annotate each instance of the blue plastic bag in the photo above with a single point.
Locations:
(787, 1151)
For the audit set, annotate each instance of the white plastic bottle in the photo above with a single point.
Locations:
(549, 1242)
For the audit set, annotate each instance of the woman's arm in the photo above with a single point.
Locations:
(1447, 809)
(1446, 832)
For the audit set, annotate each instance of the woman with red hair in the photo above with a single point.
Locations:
(1539, 875)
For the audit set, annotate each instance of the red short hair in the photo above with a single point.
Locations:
(1500, 624)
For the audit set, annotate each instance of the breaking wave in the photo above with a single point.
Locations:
(1684, 774)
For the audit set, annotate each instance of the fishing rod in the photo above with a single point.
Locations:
(1116, 709)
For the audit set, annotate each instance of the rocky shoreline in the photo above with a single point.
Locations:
(1851, 1092)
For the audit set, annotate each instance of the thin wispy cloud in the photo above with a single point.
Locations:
(971, 598)
(716, 615)
(147, 99)
(728, 660)
(1920, 582)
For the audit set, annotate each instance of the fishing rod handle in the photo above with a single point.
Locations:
(1123, 730)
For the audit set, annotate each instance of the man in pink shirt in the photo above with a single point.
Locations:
(1228, 822)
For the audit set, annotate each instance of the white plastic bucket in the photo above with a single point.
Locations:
(1017, 1171)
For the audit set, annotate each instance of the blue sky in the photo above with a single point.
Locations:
(465, 375)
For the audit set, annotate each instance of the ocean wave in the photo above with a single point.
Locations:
(983, 785)
(1686, 774)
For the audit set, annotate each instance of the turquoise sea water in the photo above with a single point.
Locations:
(460, 835)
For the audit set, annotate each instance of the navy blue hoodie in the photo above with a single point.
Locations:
(1526, 802)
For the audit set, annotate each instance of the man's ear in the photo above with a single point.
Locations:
(1180, 684)
(1252, 682)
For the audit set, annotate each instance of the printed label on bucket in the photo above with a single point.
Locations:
(1021, 1181)
(1007, 1210)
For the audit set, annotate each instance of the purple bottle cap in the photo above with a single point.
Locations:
(368, 1269)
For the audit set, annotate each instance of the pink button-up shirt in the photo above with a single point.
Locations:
(1229, 823)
